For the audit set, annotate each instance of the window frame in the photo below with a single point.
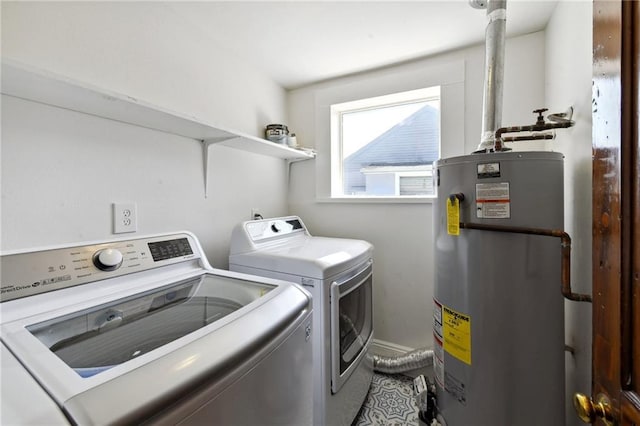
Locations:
(450, 76)
(421, 95)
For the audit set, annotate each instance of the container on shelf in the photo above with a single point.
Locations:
(278, 133)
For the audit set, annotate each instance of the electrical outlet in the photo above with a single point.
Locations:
(124, 218)
(255, 213)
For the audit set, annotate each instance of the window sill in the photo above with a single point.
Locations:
(377, 200)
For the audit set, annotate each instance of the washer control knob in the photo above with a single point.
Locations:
(107, 259)
(275, 227)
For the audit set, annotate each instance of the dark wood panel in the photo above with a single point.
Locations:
(633, 164)
(627, 193)
(607, 333)
(616, 207)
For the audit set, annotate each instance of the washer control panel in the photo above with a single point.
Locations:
(30, 273)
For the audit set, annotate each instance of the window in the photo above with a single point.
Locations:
(447, 82)
(385, 146)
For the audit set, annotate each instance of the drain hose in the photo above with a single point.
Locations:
(412, 360)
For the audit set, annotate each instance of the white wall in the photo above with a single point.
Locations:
(402, 232)
(62, 170)
(568, 82)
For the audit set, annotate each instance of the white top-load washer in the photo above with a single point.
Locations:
(338, 273)
(143, 330)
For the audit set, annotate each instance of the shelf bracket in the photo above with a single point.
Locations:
(206, 143)
(290, 161)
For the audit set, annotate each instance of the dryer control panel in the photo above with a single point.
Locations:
(30, 273)
(256, 234)
(263, 229)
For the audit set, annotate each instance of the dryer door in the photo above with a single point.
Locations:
(351, 324)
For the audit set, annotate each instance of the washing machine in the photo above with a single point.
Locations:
(143, 330)
(339, 274)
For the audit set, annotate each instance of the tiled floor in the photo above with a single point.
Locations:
(390, 402)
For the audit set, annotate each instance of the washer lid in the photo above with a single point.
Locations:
(314, 257)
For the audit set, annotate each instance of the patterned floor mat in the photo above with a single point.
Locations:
(390, 402)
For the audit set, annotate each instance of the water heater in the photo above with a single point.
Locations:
(498, 306)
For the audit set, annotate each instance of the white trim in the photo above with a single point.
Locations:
(393, 99)
(384, 348)
(402, 170)
(419, 96)
(449, 76)
(407, 199)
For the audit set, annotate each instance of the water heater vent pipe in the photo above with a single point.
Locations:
(494, 70)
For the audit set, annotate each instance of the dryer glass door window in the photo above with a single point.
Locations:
(351, 324)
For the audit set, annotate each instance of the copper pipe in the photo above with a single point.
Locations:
(565, 244)
(558, 121)
(531, 128)
(527, 138)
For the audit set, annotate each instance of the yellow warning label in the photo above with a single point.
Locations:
(453, 216)
(456, 330)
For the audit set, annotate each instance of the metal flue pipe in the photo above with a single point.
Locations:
(494, 72)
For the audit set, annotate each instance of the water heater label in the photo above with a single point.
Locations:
(493, 201)
(456, 333)
(453, 216)
(488, 170)
(437, 319)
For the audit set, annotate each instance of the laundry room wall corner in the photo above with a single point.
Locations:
(569, 67)
(401, 232)
(62, 170)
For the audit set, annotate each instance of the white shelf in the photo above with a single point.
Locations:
(35, 85)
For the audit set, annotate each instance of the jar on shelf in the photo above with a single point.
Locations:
(278, 133)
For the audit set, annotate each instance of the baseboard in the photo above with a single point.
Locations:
(381, 347)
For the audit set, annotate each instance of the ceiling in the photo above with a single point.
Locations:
(298, 42)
